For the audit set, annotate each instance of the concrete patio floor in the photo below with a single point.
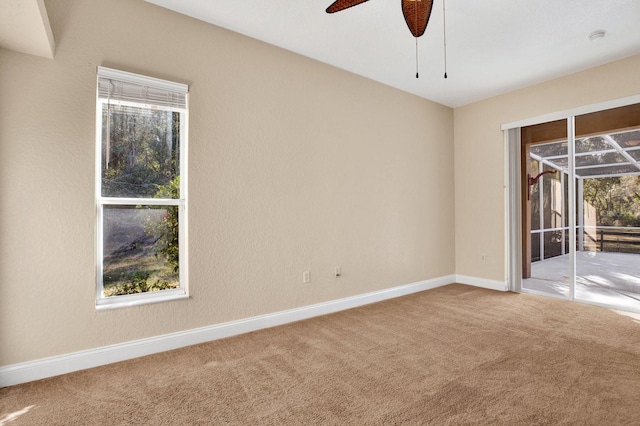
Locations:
(611, 279)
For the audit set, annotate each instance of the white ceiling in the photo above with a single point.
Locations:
(493, 46)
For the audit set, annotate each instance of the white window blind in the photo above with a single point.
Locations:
(116, 85)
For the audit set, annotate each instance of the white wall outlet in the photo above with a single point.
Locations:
(306, 277)
(338, 271)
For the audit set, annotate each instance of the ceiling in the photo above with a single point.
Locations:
(493, 46)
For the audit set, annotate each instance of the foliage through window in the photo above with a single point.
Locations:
(141, 187)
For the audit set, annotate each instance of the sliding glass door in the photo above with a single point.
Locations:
(607, 164)
(580, 208)
(546, 260)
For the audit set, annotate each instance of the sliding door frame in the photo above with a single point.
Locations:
(571, 150)
(513, 185)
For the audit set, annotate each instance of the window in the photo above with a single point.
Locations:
(141, 189)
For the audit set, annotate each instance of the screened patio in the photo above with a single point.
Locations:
(607, 256)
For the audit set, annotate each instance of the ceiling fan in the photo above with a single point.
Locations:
(416, 15)
(416, 12)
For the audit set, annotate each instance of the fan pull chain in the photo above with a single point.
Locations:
(444, 31)
(417, 75)
(415, 6)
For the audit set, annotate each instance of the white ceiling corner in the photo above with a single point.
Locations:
(24, 27)
(493, 46)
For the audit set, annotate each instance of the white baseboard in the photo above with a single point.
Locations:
(62, 364)
(482, 282)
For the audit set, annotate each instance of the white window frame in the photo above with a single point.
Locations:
(180, 292)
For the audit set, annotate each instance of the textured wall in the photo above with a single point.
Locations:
(480, 163)
(293, 164)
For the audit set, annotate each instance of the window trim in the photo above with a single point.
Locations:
(181, 292)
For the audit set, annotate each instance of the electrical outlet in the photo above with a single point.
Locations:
(306, 277)
(338, 271)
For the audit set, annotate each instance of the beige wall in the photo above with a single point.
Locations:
(479, 155)
(294, 165)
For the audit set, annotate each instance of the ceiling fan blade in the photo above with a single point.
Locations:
(416, 14)
(339, 5)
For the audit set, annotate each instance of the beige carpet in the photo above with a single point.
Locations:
(450, 356)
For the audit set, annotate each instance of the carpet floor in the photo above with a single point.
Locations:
(454, 355)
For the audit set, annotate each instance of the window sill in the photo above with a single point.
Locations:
(127, 301)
